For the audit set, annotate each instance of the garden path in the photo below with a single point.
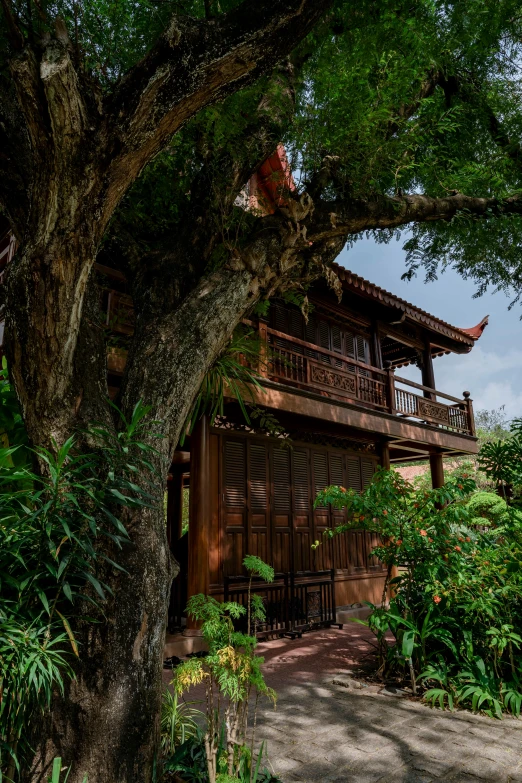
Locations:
(325, 732)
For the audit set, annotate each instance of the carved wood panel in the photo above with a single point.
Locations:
(433, 411)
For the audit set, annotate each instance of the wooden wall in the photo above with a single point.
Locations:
(262, 504)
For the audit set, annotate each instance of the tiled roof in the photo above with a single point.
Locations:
(267, 193)
(362, 286)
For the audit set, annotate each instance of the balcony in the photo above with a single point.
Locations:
(294, 362)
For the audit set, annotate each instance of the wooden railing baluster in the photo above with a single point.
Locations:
(347, 379)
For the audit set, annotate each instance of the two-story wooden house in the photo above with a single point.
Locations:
(333, 382)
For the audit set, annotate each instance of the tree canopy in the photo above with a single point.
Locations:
(378, 106)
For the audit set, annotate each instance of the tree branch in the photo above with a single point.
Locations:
(511, 147)
(351, 217)
(194, 63)
(16, 38)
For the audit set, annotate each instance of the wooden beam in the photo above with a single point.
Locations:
(278, 397)
(198, 580)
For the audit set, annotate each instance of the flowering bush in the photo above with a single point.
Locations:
(454, 573)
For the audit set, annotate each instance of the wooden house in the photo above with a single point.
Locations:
(333, 382)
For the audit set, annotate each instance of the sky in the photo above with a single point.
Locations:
(492, 372)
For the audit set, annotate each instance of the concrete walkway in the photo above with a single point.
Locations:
(329, 733)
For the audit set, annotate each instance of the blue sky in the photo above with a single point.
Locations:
(492, 372)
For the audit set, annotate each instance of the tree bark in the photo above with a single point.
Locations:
(80, 152)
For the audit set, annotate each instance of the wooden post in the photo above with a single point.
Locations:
(198, 580)
(390, 387)
(437, 471)
(175, 505)
(428, 376)
(469, 408)
(385, 455)
(376, 345)
(263, 358)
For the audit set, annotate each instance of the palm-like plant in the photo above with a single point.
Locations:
(179, 721)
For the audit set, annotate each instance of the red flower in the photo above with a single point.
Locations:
(422, 533)
(342, 489)
(468, 538)
(460, 486)
(437, 599)
(385, 513)
(458, 549)
(430, 540)
(399, 541)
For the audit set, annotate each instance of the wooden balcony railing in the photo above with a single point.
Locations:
(298, 363)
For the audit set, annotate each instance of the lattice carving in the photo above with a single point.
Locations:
(332, 379)
(321, 439)
(433, 410)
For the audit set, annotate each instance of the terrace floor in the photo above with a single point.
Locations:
(323, 731)
(330, 727)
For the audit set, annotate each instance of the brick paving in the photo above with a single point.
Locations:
(323, 731)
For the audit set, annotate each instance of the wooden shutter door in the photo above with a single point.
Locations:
(320, 480)
(368, 467)
(302, 510)
(281, 511)
(336, 548)
(234, 505)
(355, 539)
(258, 522)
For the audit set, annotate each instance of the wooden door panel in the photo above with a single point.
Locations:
(302, 550)
(282, 556)
(234, 519)
(258, 508)
(234, 552)
(258, 544)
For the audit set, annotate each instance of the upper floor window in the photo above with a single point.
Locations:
(320, 332)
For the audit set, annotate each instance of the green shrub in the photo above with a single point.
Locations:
(231, 674)
(488, 508)
(456, 606)
(54, 527)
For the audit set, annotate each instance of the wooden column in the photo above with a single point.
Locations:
(468, 402)
(175, 505)
(390, 370)
(385, 455)
(263, 339)
(437, 471)
(198, 580)
(376, 346)
(428, 376)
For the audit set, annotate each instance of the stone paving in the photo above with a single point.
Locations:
(328, 732)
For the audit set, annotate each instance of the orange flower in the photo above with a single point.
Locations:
(458, 549)
(399, 541)
(430, 540)
(460, 486)
(342, 489)
(385, 513)
(437, 599)
(423, 533)
(468, 538)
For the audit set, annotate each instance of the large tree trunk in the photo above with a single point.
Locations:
(107, 727)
